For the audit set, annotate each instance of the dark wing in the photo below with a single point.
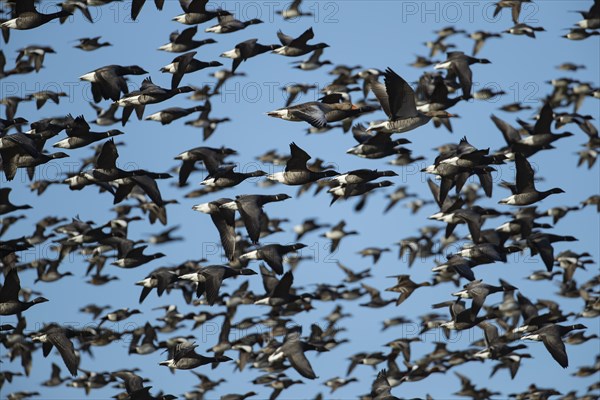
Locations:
(282, 290)
(274, 259)
(136, 7)
(214, 279)
(380, 92)
(461, 68)
(401, 96)
(150, 187)
(66, 350)
(302, 39)
(298, 159)
(224, 220)
(544, 121)
(284, 39)
(186, 35)
(511, 135)
(182, 63)
(298, 360)
(107, 159)
(524, 174)
(311, 114)
(556, 347)
(11, 287)
(251, 214)
(196, 6)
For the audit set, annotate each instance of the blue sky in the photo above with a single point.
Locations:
(374, 34)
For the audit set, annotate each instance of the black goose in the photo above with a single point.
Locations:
(108, 82)
(457, 65)
(91, 44)
(185, 64)
(397, 99)
(181, 42)
(250, 208)
(224, 220)
(195, 12)
(552, 335)
(185, 357)
(525, 192)
(296, 172)
(225, 177)
(149, 93)
(171, 114)
(9, 296)
(79, 135)
(245, 50)
(272, 254)
(228, 23)
(294, 47)
(6, 206)
(59, 337)
(27, 17)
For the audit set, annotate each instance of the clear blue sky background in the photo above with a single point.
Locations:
(374, 34)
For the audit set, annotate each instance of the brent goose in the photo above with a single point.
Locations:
(185, 64)
(478, 291)
(245, 50)
(345, 191)
(525, 192)
(135, 257)
(228, 23)
(457, 65)
(272, 254)
(211, 157)
(295, 47)
(336, 234)
(91, 44)
(313, 62)
(59, 337)
(184, 356)
(208, 125)
(397, 99)
(361, 176)
(160, 278)
(308, 225)
(293, 349)
(195, 12)
(591, 18)
(9, 296)
(293, 11)
(27, 17)
(250, 209)
(35, 55)
(79, 135)
(374, 252)
(405, 287)
(105, 117)
(108, 82)
(480, 37)
(580, 34)
(210, 279)
(332, 108)
(296, 172)
(171, 114)
(6, 206)
(149, 93)
(375, 146)
(226, 177)
(551, 335)
(524, 29)
(181, 42)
